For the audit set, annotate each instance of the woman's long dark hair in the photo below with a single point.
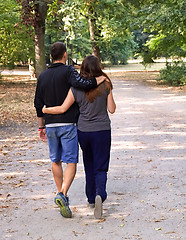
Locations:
(90, 67)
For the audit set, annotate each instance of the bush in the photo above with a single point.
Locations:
(174, 74)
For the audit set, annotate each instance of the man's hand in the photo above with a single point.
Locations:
(42, 135)
(101, 79)
(43, 109)
(42, 130)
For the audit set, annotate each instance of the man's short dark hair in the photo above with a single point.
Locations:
(57, 50)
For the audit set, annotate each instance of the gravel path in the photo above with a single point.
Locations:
(146, 181)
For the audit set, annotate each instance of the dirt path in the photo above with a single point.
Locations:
(146, 181)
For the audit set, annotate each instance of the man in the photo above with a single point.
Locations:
(52, 88)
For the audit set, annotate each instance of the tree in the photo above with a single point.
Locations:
(93, 29)
(34, 13)
(16, 43)
(83, 11)
(105, 22)
(167, 18)
(118, 50)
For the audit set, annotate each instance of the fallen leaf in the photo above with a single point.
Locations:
(102, 220)
(154, 188)
(5, 206)
(159, 220)
(75, 233)
(9, 177)
(18, 185)
(74, 209)
(5, 153)
(118, 193)
(169, 232)
(158, 229)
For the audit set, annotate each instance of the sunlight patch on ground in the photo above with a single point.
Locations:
(133, 112)
(172, 158)
(177, 98)
(171, 145)
(11, 174)
(19, 139)
(164, 133)
(127, 145)
(175, 125)
(34, 160)
(150, 103)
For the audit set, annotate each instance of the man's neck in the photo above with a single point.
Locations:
(60, 61)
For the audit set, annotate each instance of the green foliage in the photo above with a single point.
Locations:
(166, 20)
(174, 74)
(15, 42)
(68, 22)
(118, 50)
(158, 29)
(65, 23)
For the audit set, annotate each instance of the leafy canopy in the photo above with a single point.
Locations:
(15, 42)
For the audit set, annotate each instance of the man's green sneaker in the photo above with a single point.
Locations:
(63, 203)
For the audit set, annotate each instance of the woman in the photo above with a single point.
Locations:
(94, 131)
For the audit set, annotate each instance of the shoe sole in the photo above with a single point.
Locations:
(98, 211)
(64, 208)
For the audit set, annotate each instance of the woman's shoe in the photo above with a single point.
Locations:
(98, 211)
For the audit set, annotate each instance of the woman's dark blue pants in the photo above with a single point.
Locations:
(96, 156)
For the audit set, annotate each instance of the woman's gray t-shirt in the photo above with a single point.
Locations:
(93, 116)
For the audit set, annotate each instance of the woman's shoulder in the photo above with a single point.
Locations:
(78, 93)
(77, 90)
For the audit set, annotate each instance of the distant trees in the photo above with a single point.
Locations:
(103, 25)
(34, 13)
(113, 30)
(16, 43)
(167, 20)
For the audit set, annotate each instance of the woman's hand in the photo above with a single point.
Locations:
(43, 109)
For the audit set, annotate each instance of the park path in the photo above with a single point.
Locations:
(114, 68)
(146, 181)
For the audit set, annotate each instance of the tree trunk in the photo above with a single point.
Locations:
(39, 26)
(95, 47)
(93, 30)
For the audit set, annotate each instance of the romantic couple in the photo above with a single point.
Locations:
(85, 98)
